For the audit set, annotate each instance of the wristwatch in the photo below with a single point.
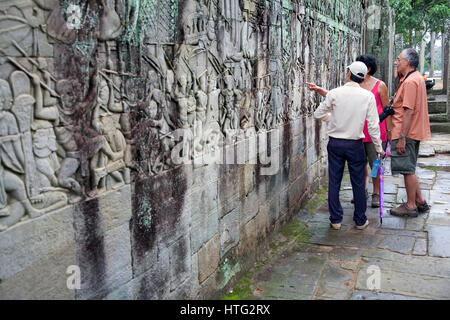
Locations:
(402, 136)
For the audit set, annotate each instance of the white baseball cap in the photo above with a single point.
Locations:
(358, 69)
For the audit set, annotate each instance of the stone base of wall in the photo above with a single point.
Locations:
(185, 234)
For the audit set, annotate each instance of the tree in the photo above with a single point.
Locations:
(414, 18)
(432, 42)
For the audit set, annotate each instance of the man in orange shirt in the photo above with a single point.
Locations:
(410, 125)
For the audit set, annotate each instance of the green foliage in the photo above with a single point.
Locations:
(420, 16)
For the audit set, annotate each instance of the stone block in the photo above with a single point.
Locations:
(263, 222)
(229, 231)
(420, 247)
(208, 258)
(204, 226)
(203, 198)
(438, 241)
(32, 240)
(227, 187)
(104, 261)
(248, 236)
(297, 189)
(42, 279)
(116, 207)
(203, 175)
(154, 284)
(249, 207)
(284, 200)
(180, 262)
(274, 208)
(246, 179)
(399, 244)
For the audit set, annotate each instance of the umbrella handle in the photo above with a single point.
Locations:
(381, 191)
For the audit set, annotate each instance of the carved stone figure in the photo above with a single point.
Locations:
(186, 103)
(109, 159)
(213, 99)
(110, 25)
(202, 100)
(12, 162)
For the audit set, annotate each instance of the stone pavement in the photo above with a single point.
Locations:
(308, 260)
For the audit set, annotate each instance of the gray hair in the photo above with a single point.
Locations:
(412, 56)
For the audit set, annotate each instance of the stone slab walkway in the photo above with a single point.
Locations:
(409, 256)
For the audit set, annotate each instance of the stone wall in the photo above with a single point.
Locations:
(153, 146)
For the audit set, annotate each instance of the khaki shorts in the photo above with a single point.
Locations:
(404, 163)
(371, 152)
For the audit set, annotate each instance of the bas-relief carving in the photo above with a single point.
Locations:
(40, 155)
(230, 73)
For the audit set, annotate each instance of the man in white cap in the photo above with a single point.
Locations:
(346, 109)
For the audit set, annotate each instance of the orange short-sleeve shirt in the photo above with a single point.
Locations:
(412, 94)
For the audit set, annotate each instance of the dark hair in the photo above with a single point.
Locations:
(370, 61)
(412, 56)
(355, 78)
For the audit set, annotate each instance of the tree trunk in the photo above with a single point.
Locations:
(446, 56)
(422, 56)
(432, 41)
(442, 54)
(410, 38)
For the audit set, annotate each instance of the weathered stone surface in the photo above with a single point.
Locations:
(180, 262)
(426, 151)
(420, 247)
(399, 244)
(332, 283)
(229, 228)
(45, 277)
(116, 207)
(206, 225)
(327, 236)
(439, 241)
(208, 258)
(249, 207)
(291, 277)
(99, 131)
(370, 295)
(105, 262)
(31, 241)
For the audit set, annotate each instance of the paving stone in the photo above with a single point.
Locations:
(361, 238)
(371, 295)
(402, 196)
(345, 254)
(426, 151)
(439, 215)
(405, 283)
(391, 222)
(404, 233)
(293, 276)
(439, 241)
(416, 224)
(390, 188)
(420, 247)
(423, 173)
(417, 276)
(421, 265)
(399, 244)
(332, 283)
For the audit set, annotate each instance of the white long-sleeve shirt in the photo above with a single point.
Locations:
(346, 109)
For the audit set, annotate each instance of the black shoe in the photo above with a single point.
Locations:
(423, 207)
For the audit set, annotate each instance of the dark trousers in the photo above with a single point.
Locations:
(352, 151)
